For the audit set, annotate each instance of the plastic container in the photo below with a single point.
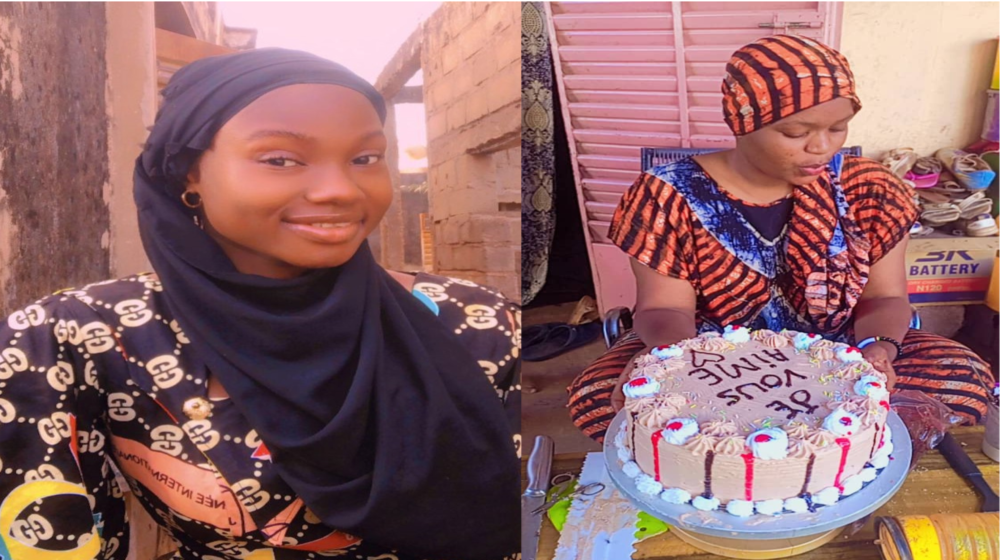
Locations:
(993, 292)
(955, 536)
(991, 120)
(991, 438)
(995, 84)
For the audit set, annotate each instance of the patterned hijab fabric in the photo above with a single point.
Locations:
(538, 215)
(779, 76)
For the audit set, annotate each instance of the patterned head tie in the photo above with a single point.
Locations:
(779, 76)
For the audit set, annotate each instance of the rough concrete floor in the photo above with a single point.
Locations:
(543, 407)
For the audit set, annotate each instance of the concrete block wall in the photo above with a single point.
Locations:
(471, 62)
(54, 168)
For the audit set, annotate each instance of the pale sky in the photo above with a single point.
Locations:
(362, 36)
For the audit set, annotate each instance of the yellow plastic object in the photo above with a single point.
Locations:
(557, 513)
(649, 526)
(993, 293)
(995, 84)
(965, 536)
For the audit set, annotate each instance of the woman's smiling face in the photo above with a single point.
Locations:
(295, 181)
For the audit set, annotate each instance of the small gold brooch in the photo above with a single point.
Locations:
(197, 408)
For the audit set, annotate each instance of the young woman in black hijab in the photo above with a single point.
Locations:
(271, 391)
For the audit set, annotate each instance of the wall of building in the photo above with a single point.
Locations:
(54, 221)
(922, 70)
(471, 61)
(131, 106)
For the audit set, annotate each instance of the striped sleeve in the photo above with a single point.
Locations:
(653, 225)
(882, 203)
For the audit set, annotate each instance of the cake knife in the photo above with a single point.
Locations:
(539, 469)
(963, 465)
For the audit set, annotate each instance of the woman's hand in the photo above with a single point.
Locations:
(618, 396)
(880, 356)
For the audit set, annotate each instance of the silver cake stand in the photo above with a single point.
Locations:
(758, 527)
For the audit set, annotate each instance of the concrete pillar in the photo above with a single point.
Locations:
(131, 106)
(391, 229)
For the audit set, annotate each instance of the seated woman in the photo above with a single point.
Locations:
(780, 232)
(270, 391)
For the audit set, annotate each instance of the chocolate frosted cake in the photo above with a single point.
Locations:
(754, 422)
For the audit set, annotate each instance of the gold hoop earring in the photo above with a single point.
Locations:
(187, 202)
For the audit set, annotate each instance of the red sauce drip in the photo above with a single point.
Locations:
(748, 484)
(657, 436)
(845, 447)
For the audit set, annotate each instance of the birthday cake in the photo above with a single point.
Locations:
(754, 422)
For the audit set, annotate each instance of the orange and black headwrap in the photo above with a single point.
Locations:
(781, 75)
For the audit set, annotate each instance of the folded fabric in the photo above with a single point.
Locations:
(559, 339)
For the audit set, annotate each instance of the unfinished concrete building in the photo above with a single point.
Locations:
(74, 110)
(470, 56)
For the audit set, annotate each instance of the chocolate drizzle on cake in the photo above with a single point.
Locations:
(878, 436)
(699, 358)
(709, 458)
(634, 416)
(809, 473)
(809, 501)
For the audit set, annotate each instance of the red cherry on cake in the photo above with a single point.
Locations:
(673, 426)
(846, 421)
(638, 382)
(661, 348)
(853, 350)
(875, 384)
(762, 438)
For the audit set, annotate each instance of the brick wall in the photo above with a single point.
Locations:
(471, 61)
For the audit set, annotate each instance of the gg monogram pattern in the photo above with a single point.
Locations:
(100, 394)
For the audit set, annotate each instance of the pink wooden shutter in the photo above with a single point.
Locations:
(647, 74)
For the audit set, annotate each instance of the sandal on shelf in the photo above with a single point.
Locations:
(920, 230)
(932, 196)
(969, 169)
(951, 188)
(925, 173)
(927, 166)
(900, 161)
(982, 225)
(939, 214)
(974, 205)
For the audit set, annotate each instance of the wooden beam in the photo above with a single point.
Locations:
(409, 94)
(180, 49)
(403, 65)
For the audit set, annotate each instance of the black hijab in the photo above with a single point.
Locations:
(374, 414)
